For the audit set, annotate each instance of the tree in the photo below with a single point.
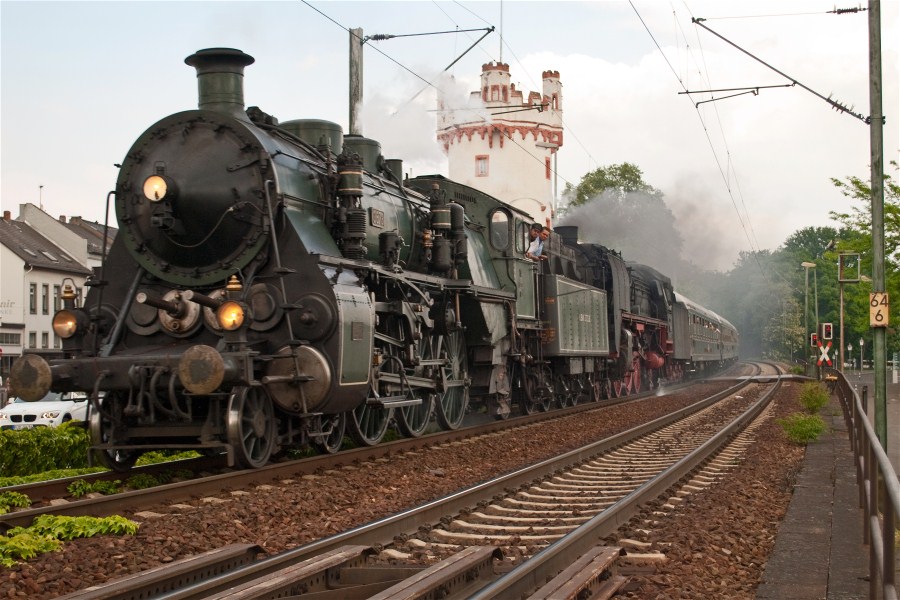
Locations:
(616, 181)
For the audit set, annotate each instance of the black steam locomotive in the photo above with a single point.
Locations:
(277, 284)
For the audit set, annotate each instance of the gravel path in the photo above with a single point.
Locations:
(739, 515)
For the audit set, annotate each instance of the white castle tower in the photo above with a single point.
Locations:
(508, 150)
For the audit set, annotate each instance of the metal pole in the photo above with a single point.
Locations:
(816, 296)
(356, 80)
(818, 330)
(806, 318)
(876, 141)
(841, 334)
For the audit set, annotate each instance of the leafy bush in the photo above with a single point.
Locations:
(68, 528)
(46, 532)
(159, 456)
(29, 451)
(802, 428)
(24, 545)
(10, 499)
(81, 487)
(813, 397)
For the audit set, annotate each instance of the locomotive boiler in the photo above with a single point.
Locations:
(276, 284)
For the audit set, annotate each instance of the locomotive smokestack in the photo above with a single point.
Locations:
(568, 233)
(220, 79)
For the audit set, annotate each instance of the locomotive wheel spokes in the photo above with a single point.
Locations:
(519, 393)
(636, 375)
(413, 420)
(562, 393)
(102, 433)
(454, 399)
(368, 423)
(331, 442)
(251, 426)
(539, 387)
(606, 391)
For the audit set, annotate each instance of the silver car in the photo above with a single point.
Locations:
(53, 409)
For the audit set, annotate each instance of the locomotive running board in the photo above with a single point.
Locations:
(393, 402)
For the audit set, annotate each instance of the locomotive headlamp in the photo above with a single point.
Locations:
(67, 323)
(230, 315)
(157, 187)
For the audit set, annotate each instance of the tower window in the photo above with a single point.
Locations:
(547, 169)
(481, 165)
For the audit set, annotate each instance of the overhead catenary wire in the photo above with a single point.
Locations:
(744, 226)
(834, 104)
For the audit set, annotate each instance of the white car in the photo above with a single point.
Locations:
(51, 410)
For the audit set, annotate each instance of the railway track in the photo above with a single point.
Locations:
(52, 497)
(550, 517)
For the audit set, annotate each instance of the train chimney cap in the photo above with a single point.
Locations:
(208, 57)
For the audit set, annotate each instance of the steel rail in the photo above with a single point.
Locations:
(533, 573)
(383, 531)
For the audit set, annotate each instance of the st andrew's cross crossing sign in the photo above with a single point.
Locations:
(823, 354)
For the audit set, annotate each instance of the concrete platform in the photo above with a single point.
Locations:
(819, 552)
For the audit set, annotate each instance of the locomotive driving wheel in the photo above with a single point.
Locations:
(413, 420)
(251, 426)
(103, 431)
(563, 395)
(517, 385)
(453, 399)
(332, 428)
(539, 387)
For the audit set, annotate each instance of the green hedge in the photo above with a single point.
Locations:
(29, 451)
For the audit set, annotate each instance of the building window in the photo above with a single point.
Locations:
(45, 340)
(56, 306)
(481, 165)
(10, 339)
(32, 299)
(55, 341)
(45, 299)
(495, 93)
(32, 339)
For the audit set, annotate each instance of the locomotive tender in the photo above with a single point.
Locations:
(274, 285)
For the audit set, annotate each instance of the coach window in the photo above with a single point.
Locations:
(500, 230)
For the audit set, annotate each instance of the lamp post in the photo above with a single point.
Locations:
(806, 265)
(862, 343)
(848, 272)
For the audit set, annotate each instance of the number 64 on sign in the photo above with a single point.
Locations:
(878, 309)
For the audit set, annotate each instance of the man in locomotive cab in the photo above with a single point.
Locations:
(536, 247)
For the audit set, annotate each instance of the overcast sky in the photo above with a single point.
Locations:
(79, 81)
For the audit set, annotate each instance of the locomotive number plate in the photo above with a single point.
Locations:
(376, 217)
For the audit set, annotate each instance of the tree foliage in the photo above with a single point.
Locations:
(856, 237)
(616, 181)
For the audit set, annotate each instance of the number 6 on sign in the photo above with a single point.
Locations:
(878, 309)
